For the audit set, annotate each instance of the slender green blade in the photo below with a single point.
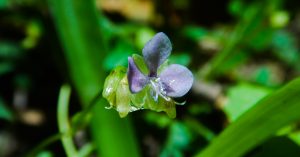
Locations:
(258, 124)
(77, 23)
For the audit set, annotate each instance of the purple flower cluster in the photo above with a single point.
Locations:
(174, 81)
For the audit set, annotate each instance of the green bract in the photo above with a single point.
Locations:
(116, 91)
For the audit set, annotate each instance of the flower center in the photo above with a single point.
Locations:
(158, 89)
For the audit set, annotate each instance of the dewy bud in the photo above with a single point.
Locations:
(111, 84)
(123, 98)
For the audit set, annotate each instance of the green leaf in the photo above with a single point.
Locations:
(234, 61)
(44, 154)
(285, 47)
(241, 98)
(10, 50)
(258, 124)
(5, 113)
(279, 19)
(143, 35)
(3, 4)
(195, 33)
(84, 47)
(178, 140)
(160, 120)
(6, 67)
(236, 7)
(182, 58)
(278, 147)
(295, 136)
(118, 56)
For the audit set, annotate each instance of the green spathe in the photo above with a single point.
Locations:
(116, 92)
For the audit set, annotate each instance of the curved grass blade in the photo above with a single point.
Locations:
(258, 124)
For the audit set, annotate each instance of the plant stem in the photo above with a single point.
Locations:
(44, 144)
(63, 121)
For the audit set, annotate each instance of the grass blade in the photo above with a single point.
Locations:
(258, 124)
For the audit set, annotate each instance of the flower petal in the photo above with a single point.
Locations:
(136, 79)
(156, 51)
(177, 80)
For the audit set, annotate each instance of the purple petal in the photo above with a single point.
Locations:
(136, 79)
(156, 51)
(177, 80)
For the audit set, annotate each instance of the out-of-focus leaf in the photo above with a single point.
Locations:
(241, 98)
(5, 113)
(33, 32)
(200, 129)
(236, 7)
(178, 140)
(262, 39)
(143, 35)
(295, 136)
(263, 75)
(194, 33)
(196, 109)
(3, 4)
(258, 124)
(182, 58)
(118, 56)
(267, 74)
(9, 50)
(233, 62)
(158, 119)
(278, 147)
(44, 154)
(5, 67)
(279, 19)
(284, 45)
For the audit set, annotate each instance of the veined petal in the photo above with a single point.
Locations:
(156, 51)
(177, 80)
(136, 79)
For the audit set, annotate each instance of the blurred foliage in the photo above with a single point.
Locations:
(5, 113)
(241, 98)
(242, 53)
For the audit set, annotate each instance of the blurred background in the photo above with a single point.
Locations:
(238, 50)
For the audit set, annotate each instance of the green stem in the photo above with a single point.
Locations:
(77, 22)
(58, 136)
(63, 121)
(86, 150)
(44, 144)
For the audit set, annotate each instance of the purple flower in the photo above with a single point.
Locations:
(174, 81)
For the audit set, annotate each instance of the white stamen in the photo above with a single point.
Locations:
(158, 89)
